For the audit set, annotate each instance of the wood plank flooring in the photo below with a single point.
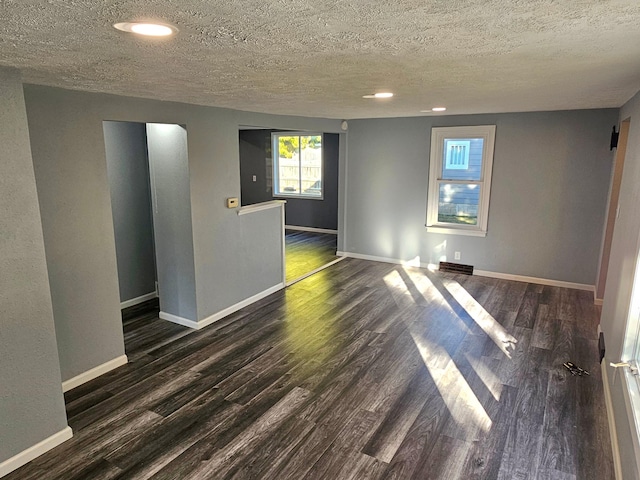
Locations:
(362, 371)
(307, 251)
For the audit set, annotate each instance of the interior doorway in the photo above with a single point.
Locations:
(130, 187)
(612, 211)
(301, 168)
(147, 166)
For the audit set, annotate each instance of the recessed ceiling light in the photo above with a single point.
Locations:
(438, 109)
(379, 95)
(147, 29)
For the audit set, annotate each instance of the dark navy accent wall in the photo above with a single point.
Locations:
(255, 159)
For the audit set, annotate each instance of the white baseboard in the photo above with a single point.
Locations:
(179, 320)
(617, 465)
(596, 300)
(94, 373)
(374, 258)
(200, 324)
(481, 273)
(35, 451)
(138, 300)
(536, 280)
(311, 229)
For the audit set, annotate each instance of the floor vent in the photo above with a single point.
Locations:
(456, 268)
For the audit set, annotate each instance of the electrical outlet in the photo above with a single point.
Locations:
(456, 256)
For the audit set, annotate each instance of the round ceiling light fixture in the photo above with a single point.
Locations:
(147, 29)
(379, 95)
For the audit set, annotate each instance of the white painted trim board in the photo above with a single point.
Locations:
(311, 229)
(536, 280)
(94, 373)
(35, 451)
(200, 324)
(375, 258)
(185, 322)
(257, 207)
(138, 300)
(283, 236)
(617, 465)
(481, 273)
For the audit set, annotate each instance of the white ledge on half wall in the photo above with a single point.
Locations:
(256, 207)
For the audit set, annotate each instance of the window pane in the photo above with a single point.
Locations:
(288, 165)
(462, 159)
(288, 175)
(458, 203)
(311, 165)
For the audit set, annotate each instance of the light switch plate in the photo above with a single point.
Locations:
(232, 202)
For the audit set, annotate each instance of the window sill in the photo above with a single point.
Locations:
(297, 197)
(456, 231)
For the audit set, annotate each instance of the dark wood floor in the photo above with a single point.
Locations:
(307, 251)
(362, 371)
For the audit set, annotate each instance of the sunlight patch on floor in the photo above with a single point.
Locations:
(484, 372)
(416, 287)
(500, 336)
(308, 335)
(459, 397)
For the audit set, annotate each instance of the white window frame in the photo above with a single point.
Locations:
(276, 160)
(438, 136)
(631, 355)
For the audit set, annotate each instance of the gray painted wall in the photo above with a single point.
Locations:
(548, 197)
(255, 154)
(622, 265)
(31, 402)
(128, 169)
(67, 144)
(171, 199)
(234, 257)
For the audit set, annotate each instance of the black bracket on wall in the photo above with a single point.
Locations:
(614, 139)
(601, 346)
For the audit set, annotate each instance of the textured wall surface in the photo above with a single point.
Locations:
(128, 168)
(620, 277)
(318, 58)
(69, 154)
(67, 143)
(31, 401)
(171, 199)
(549, 190)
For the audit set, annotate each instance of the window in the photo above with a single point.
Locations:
(631, 355)
(297, 165)
(460, 179)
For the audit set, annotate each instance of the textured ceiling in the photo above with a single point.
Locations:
(318, 57)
